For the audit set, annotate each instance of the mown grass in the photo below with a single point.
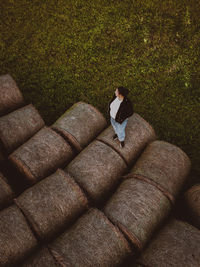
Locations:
(61, 52)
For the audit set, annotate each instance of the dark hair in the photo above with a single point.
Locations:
(123, 91)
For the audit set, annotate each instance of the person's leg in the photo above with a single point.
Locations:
(114, 125)
(121, 130)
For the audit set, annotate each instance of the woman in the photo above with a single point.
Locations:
(120, 108)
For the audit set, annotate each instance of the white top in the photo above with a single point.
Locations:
(114, 106)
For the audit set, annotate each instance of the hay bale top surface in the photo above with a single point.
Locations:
(10, 95)
(16, 238)
(52, 203)
(92, 241)
(82, 121)
(138, 134)
(18, 126)
(165, 164)
(97, 169)
(41, 155)
(138, 208)
(177, 244)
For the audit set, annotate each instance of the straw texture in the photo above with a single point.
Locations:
(6, 193)
(138, 134)
(80, 124)
(16, 238)
(97, 169)
(10, 95)
(52, 204)
(92, 241)
(18, 126)
(41, 155)
(192, 200)
(177, 244)
(165, 164)
(42, 258)
(137, 208)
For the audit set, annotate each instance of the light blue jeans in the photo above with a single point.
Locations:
(119, 128)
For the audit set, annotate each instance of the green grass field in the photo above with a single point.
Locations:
(61, 52)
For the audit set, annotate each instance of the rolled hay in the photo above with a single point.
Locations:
(6, 193)
(92, 241)
(137, 208)
(97, 169)
(18, 126)
(41, 155)
(52, 204)
(192, 200)
(176, 244)
(165, 165)
(16, 238)
(80, 124)
(41, 258)
(10, 96)
(138, 134)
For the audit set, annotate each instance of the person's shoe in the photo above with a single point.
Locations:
(122, 144)
(115, 137)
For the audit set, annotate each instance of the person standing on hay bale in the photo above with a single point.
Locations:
(120, 108)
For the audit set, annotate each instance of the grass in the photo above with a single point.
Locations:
(61, 52)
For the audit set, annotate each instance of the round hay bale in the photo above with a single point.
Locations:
(92, 241)
(97, 169)
(177, 244)
(52, 204)
(164, 164)
(192, 199)
(41, 155)
(18, 126)
(16, 238)
(41, 258)
(137, 208)
(80, 124)
(138, 134)
(6, 193)
(10, 95)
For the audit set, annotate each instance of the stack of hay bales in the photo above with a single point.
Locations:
(144, 199)
(192, 201)
(17, 124)
(48, 149)
(52, 209)
(176, 244)
(98, 168)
